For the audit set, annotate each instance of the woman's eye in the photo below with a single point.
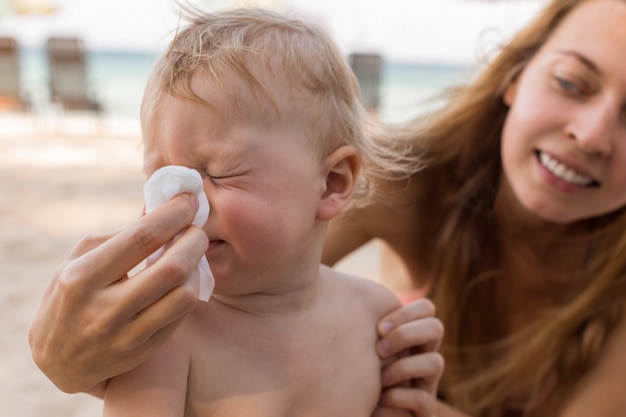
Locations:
(569, 86)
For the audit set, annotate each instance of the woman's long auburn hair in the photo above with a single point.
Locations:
(490, 372)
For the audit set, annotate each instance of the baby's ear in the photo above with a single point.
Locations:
(341, 168)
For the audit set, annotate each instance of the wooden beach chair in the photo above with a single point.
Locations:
(11, 95)
(368, 68)
(68, 82)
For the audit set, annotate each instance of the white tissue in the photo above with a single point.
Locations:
(162, 186)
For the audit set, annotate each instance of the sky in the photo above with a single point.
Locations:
(442, 31)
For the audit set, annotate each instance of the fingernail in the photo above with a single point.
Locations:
(194, 201)
(385, 327)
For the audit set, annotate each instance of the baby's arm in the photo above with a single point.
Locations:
(156, 388)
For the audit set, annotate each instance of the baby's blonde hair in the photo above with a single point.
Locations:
(252, 44)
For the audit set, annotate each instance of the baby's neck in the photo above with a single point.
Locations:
(291, 297)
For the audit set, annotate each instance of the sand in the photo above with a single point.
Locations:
(58, 183)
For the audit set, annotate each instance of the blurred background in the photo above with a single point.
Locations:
(70, 160)
(425, 44)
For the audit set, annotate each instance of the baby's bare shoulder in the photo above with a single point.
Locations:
(371, 295)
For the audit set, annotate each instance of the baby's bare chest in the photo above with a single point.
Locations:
(306, 372)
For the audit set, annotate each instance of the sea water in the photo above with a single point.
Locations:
(117, 80)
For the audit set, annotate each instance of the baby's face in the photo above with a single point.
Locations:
(263, 181)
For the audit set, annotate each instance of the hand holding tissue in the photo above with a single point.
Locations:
(162, 186)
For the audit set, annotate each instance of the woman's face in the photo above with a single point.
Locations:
(564, 139)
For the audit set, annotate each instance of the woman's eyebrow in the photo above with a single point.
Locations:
(583, 59)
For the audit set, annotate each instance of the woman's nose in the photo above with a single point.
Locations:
(594, 127)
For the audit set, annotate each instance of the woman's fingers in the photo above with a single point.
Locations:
(422, 335)
(421, 403)
(384, 411)
(409, 338)
(413, 327)
(93, 322)
(176, 269)
(417, 309)
(112, 260)
(423, 369)
(133, 316)
(88, 244)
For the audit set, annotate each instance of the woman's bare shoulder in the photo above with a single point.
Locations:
(601, 391)
(358, 226)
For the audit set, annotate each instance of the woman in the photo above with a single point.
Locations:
(516, 227)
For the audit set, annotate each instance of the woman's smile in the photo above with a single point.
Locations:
(565, 174)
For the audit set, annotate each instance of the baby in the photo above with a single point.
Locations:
(266, 110)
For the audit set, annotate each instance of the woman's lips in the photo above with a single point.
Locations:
(565, 174)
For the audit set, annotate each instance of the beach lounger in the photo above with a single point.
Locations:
(367, 68)
(11, 95)
(69, 86)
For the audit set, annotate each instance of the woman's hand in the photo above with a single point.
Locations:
(409, 339)
(95, 323)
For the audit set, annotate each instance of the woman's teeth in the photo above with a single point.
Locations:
(562, 172)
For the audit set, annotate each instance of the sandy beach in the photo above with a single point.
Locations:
(56, 185)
